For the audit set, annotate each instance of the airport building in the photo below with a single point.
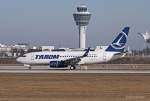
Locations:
(47, 48)
(82, 17)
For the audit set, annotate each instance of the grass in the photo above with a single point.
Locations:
(74, 87)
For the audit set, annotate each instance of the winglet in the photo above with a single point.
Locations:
(87, 52)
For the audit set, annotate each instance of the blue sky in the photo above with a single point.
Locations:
(50, 22)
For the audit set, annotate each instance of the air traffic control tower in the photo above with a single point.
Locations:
(82, 18)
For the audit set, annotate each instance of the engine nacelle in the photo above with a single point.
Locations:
(57, 64)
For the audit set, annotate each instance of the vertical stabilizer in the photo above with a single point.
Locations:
(119, 43)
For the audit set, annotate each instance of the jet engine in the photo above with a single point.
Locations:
(57, 64)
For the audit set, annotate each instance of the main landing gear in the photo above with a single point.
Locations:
(72, 67)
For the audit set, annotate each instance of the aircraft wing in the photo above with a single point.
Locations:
(74, 61)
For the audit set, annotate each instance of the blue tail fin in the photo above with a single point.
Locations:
(119, 43)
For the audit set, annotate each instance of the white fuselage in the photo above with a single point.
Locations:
(45, 57)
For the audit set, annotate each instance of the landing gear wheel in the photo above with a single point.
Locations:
(30, 68)
(72, 67)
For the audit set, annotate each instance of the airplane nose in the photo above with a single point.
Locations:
(18, 60)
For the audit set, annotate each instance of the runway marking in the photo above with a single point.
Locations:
(46, 69)
(79, 71)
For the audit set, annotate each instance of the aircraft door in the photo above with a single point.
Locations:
(32, 57)
(104, 56)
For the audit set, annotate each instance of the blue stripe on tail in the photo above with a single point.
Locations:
(119, 43)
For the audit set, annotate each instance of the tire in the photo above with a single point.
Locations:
(72, 67)
(30, 68)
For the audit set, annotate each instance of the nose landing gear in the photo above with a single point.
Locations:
(28, 66)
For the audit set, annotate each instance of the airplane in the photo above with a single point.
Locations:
(145, 36)
(63, 59)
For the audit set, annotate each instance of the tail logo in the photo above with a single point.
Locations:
(120, 42)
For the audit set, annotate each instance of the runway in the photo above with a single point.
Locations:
(116, 69)
(79, 71)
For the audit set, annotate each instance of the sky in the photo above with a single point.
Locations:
(50, 22)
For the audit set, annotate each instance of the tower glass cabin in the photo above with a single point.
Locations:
(82, 18)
